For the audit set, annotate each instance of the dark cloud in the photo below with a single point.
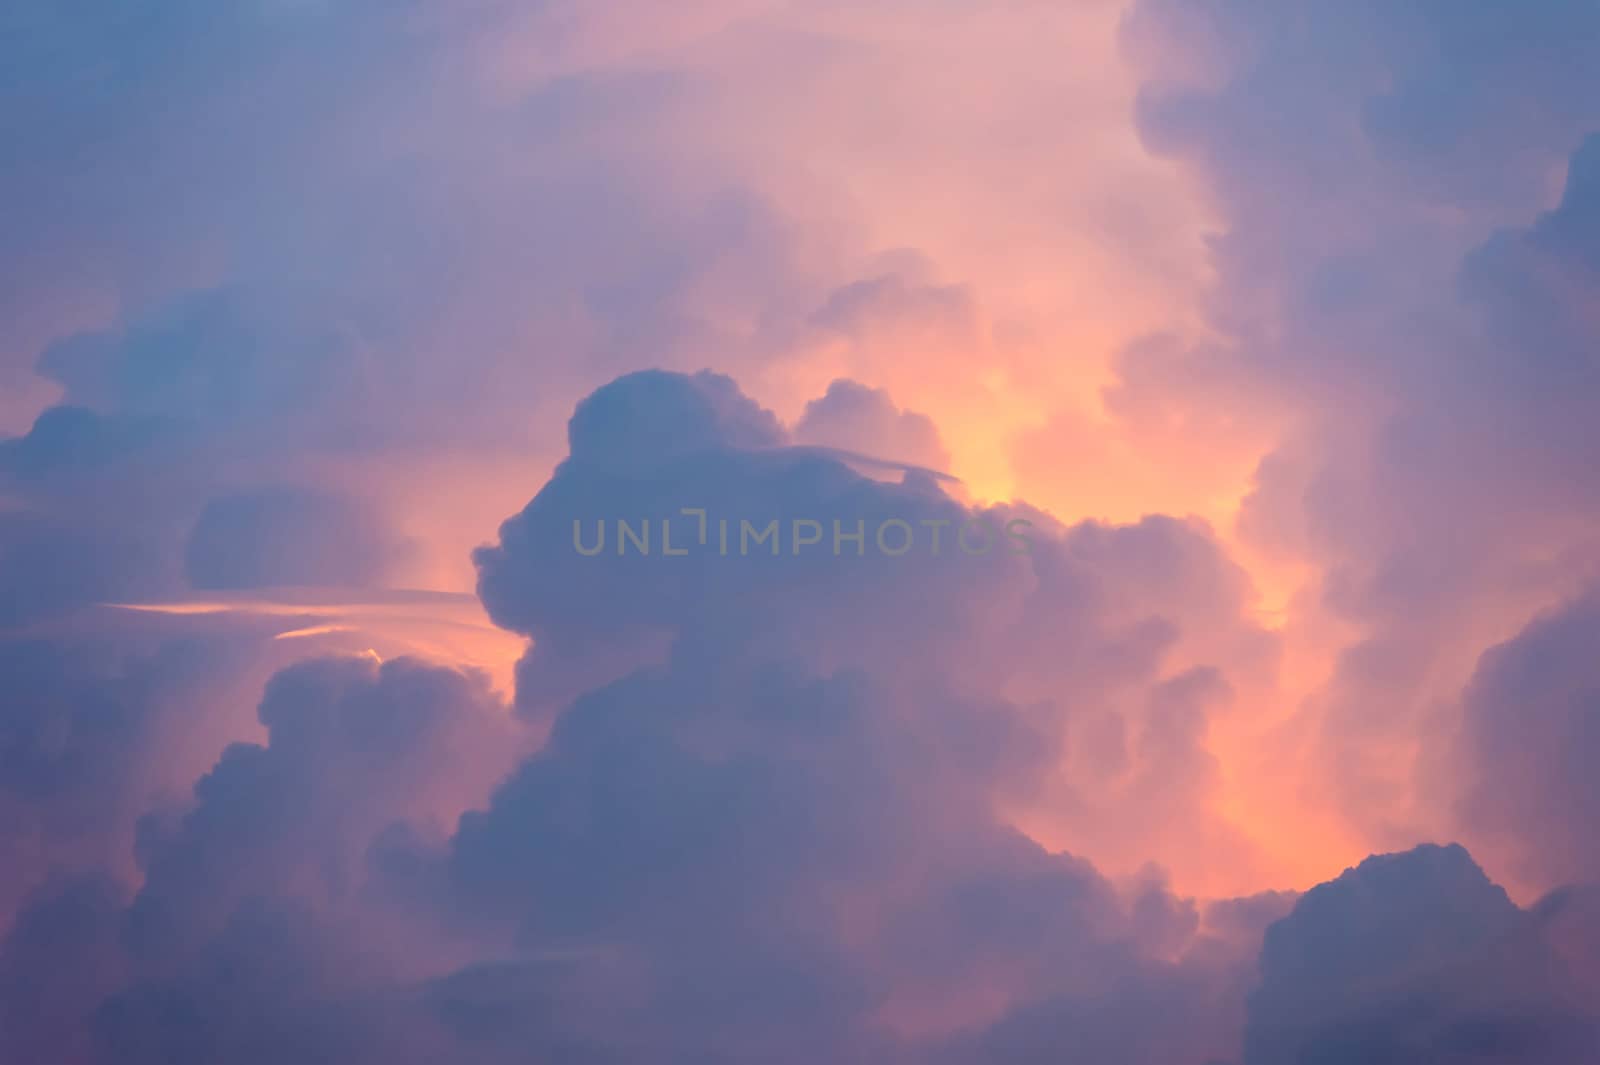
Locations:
(789, 870)
(701, 864)
(654, 417)
(1530, 733)
(262, 930)
(59, 956)
(234, 359)
(786, 743)
(1414, 957)
(85, 522)
(774, 827)
(285, 538)
(97, 728)
(186, 455)
(351, 748)
(770, 819)
(1119, 640)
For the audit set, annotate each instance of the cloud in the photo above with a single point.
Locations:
(683, 837)
(182, 458)
(277, 538)
(817, 802)
(1396, 326)
(1414, 957)
(59, 954)
(755, 831)
(261, 907)
(1283, 311)
(856, 418)
(1526, 743)
(352, 747)
(99, 728)
(1118, 641)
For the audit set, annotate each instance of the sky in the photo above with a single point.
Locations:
(1123, 568)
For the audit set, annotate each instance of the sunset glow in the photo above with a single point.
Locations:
(899, 532)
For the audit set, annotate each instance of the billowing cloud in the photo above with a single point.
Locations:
(1416, 957)
(1159, 472)
(1116, 643)
(1397, 328)
(865, 420)
(1527, 742)
(856, 803)
(257, 899)
(102, 723)
(745, 797)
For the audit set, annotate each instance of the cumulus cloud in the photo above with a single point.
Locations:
(257, 907)
(102, 723)
(1527, 740)
(183, 457)
(776, 813)
(1415, 957)
(1402, 254)
(756, 832)
(1118, 642)
(301, 293)
(861, 419)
